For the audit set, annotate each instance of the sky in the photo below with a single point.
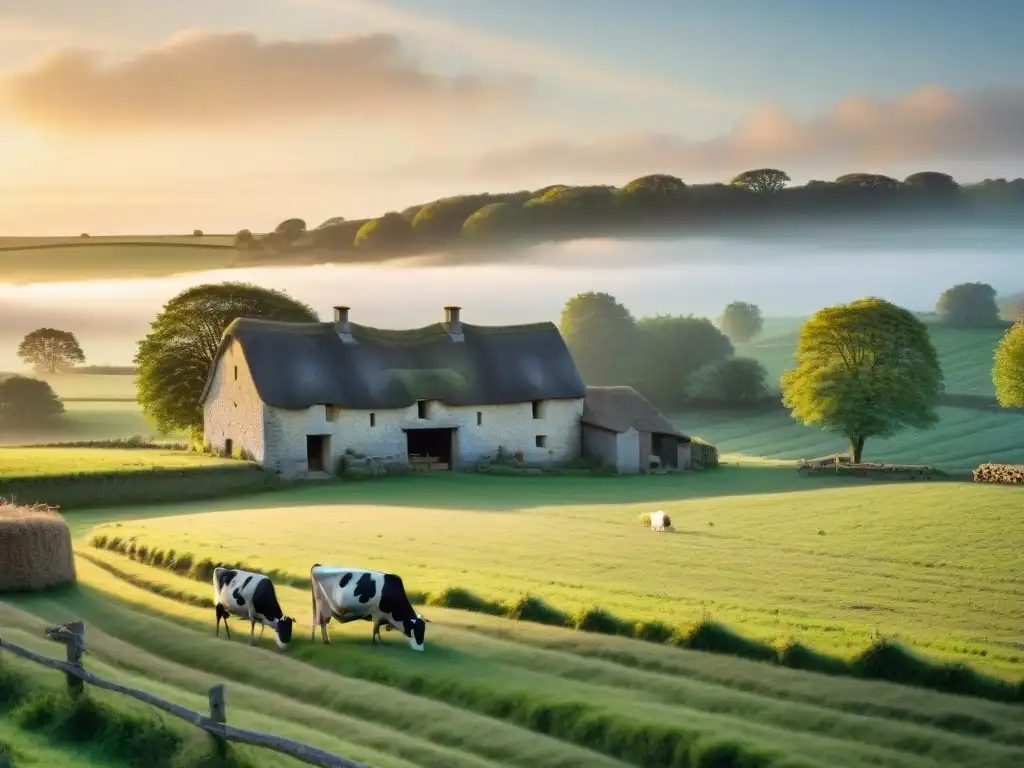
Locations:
(162, 116)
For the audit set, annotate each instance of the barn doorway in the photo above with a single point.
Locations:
(317, 451)
(430, 449)
(666, 448)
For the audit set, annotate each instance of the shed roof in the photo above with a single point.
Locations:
(619, 409)
(296, 365)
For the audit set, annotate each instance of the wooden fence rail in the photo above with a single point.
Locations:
(72, 635)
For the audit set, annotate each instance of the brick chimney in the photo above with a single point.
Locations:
(341, 325)
(453, 323)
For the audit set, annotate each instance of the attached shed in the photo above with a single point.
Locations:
(624, 429)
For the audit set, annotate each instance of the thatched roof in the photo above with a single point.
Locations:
(619, 409)
(296, 365)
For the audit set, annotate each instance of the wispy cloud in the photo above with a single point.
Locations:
(930, 125)
(519, 55)
(205, 80)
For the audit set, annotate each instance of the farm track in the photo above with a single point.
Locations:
(476, 658)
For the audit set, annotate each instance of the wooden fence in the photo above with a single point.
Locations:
(72, 635)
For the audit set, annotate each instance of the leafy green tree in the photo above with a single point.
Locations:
(27, 403)
(969, 305)
(736, 381)
(764, 181)
(388, 233)
(50, 350)
(741, 321)
(494, 221)
(290, 230)
(174, 359)
(243, 240)
(931, 181)
(864, 369)
(867, 181)
(1008, 371)
(444, 219)
(670, 349)
(601, 336)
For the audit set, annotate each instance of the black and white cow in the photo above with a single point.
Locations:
(250, 596)
(351, 594)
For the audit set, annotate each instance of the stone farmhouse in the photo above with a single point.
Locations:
(296, 396)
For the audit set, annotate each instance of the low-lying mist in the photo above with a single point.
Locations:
(671, 276)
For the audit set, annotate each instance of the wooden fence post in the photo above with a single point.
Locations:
(218, 714)
(72, 635)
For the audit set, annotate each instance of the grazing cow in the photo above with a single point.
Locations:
(660, 521)
(351, 594)
(251, 596)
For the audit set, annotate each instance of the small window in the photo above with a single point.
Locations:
(373, 419)
(536, 409)
(542, 441)
(479, 418)
(236, 373)
(329, 412)
(421, 409)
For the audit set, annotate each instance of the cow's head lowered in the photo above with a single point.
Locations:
(415, 629)
(283, 631)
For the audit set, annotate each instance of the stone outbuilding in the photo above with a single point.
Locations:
(295, 396)
(624, 429)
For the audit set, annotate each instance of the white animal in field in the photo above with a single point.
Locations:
(660, 521)
(351, 594)
(250, 596)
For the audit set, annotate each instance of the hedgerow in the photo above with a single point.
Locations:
(143, 486)
(884, 659)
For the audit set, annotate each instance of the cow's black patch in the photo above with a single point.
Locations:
(346, 579)
(264, 601)
(225, 576)
(393, 599)
(365, 587)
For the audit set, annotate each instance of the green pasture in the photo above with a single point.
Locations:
(489, 692)
(91, 420)
(29, 260)
(829, 562)
(966, 356)
(963, 439)
(30, 462)
(92, 386)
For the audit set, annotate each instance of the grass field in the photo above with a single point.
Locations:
(756, 546)
(963, 439)
(97, 407)
(30, 462)
(28, 260)
(760, 549)
(966, 356)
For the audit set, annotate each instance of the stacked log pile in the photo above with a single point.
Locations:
(1006, 474)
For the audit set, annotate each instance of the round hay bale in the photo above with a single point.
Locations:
(35, 548)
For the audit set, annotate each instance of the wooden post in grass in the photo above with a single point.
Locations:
(72, 635)
(218, 714)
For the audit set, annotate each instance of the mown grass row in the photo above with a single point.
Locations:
(884, 659)
(619, 735)
(137, 486)
(122, 737)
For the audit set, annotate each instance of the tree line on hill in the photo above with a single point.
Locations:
(864, 369)
(657, 203)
